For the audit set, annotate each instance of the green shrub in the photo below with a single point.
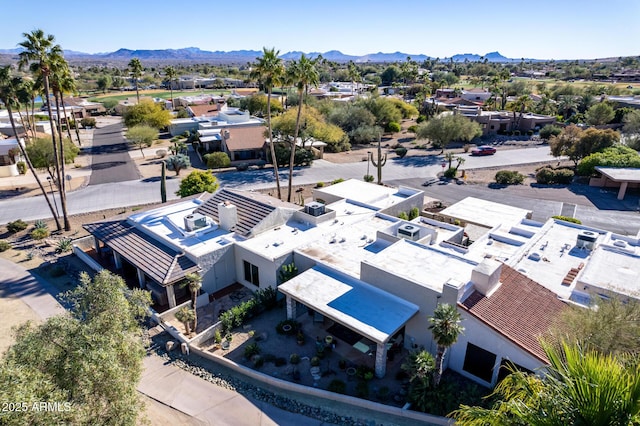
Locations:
(39, 233)
(333, 182)
(217, 336)
(258, 361)
(393, 127)
(403, 216)
(412, 129)
(568, 219)
(294, 359)
(421, 118)
(17, 226)
(547, 175)
(4, 245)
(508, 177)
(242, 167)
(22, 167)
(368, 178)
(40, 224)
(337, 386)
(315, 361)
(383, 393)
(217, 160)
(413, 213)
(88, 122)
(401, 151)
(516, 133)
(549, 130)
(320, 185)
(362, 389)
(450, 172)
(251, 350)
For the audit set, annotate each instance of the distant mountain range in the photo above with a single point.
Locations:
(241, 56)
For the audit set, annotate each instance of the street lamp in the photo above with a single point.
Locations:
(53, 195)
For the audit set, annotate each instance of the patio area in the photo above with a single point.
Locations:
(340, 355)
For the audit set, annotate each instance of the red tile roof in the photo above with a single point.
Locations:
(520, 309)
(244, 138)
(204, 110)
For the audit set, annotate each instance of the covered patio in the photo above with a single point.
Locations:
(625, 177)
(374, 314)
(157, 267)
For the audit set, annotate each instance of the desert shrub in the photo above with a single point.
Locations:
(315, 361)
(333, 182)
(412, 129)
(161, 153)
(368, 178)
(466, 147)
(39, 233)
(251, 350)
(401, 151)
(40, 224)
(403, 216)
(217, 160)
(258, 361)
(17, 226)
(337, 386)
(294, 359)
(320, 185)
(413, 213)
(266, 297)
(450, 172)
(516, 133)
(568, 219)
(64, 245)
(4, 245)
(393, 127)
(547, 175)
(421, 118)
(509, 177)
(22, 167)
(88, 122)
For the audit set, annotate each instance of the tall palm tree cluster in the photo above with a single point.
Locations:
(270, 72)
(50, 78)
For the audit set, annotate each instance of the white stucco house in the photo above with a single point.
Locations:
(377, 275)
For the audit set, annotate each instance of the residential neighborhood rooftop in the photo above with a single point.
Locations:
(487, 213)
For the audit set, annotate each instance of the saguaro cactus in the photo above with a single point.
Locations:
(381, 162)
(163, 183)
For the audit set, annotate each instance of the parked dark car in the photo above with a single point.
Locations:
(483, 150)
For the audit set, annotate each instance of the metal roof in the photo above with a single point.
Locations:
(161, 263)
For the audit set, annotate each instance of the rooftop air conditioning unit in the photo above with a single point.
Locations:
(586, 240)
(409, 232)
(194, 221)
(314, 208)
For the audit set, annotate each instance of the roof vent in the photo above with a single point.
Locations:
(620, 243)
(314, 208)
(586, 240)
(409, 232)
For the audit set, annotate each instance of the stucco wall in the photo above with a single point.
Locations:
(218, 269)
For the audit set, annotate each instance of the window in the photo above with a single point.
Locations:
(251, 273)
(506, 366)
(479, 362)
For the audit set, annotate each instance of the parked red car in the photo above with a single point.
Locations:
(483, 150)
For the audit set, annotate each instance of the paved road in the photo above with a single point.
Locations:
(110, 157)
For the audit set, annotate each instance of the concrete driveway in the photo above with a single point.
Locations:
(111, 161)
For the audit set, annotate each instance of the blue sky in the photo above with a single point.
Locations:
(542, 29)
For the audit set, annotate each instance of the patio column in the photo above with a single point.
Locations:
(623, 190)
(291, 308)
(141, 279)
(117, 260)
(171, 296)
(96, 246)
(381, 360)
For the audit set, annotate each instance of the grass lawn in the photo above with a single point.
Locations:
(164, 94)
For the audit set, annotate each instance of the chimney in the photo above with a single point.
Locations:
(227, 215)
(226, 134)
(486, 276)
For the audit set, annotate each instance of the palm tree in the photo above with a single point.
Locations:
(135, 68)
(419, 366)
(304, 74)
(445, 327)
(580, 388)
(39, 53)
(9, 88)
(186, 315)
(194, 282)
(269, 71)
(171, 74)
